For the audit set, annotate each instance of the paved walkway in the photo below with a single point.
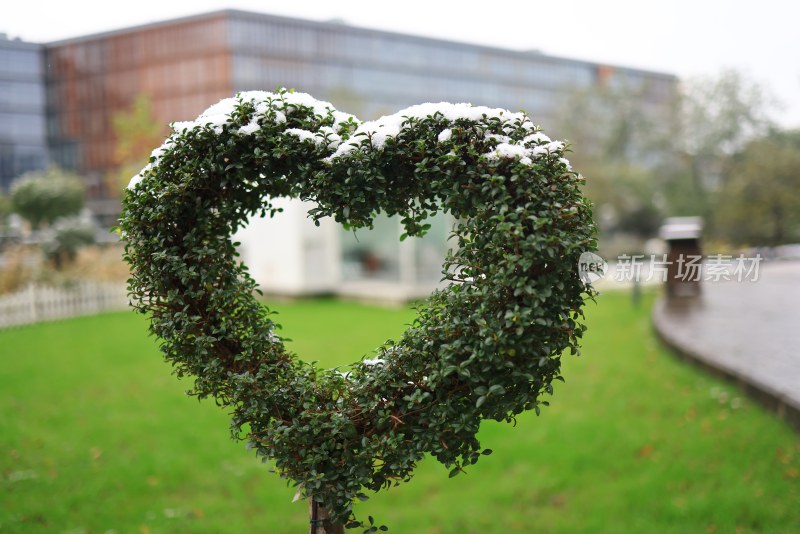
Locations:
(748, 331)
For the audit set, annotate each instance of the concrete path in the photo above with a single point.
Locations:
(748, 331)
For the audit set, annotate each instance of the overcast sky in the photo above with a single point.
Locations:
(685, 37)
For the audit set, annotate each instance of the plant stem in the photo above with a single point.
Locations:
(319, 519)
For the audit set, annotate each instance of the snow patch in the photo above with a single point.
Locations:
(378, 131)
(250, 128)
(303, 135)
(156, 155)
(136, 179)
(273, 106)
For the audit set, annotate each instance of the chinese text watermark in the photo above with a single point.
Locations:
(641, 268)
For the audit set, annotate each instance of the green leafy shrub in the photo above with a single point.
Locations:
(5, 209)
(43, 197)
(64, 240)
(488, 346)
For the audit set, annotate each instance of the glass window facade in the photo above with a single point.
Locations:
(371, 73)
(188, 64)
(379, 255)
(183, 67)
(372, 254)
(23, 144)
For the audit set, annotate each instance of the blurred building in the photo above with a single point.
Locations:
(187, 64)
(184, 65)
(23, 145)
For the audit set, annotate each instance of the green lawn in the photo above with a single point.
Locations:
(96, 436)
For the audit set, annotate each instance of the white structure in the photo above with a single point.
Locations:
(289, 255)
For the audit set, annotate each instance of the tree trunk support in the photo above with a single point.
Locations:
(320, 523)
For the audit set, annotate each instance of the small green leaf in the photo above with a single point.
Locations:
(497, 389)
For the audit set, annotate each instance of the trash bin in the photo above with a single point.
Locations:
(684, 256)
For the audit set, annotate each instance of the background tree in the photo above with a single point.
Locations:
(5, 210)
(136, 131)
(42, 197)
(719, 115)
(621, 145)
(64, 240)
(760, 203)
(644, 163)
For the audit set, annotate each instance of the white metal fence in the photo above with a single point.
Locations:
(39, 303)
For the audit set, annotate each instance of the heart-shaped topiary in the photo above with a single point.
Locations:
(485, 347)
